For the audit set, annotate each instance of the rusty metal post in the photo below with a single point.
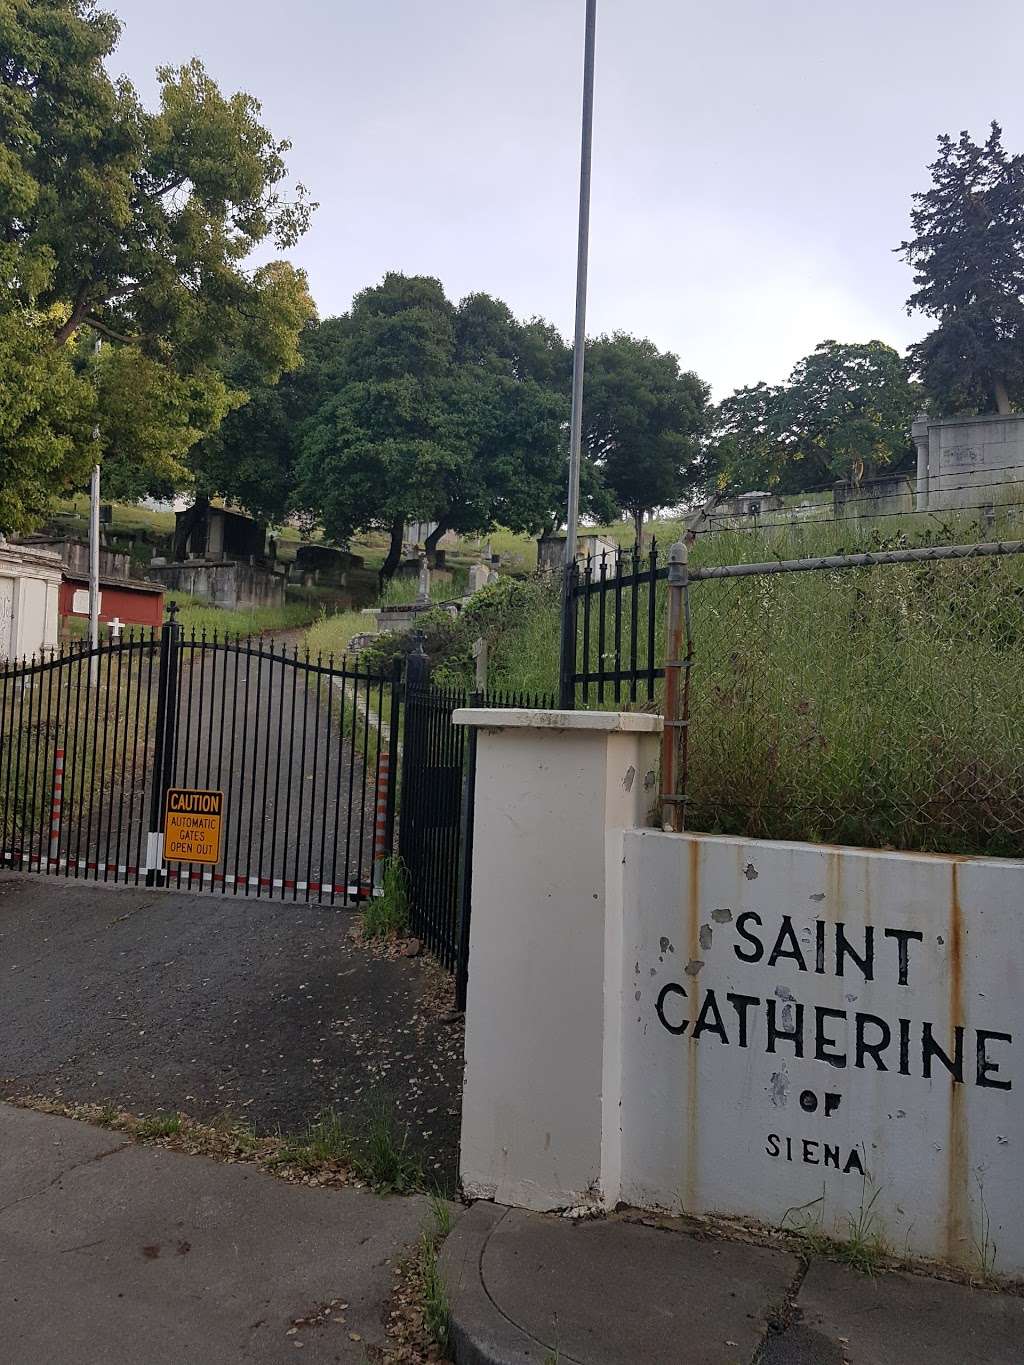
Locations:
(675, 664)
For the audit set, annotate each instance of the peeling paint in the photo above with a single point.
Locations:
(778, 1088)
(629, 779)
(784, 993)
(957, 1218)
(750, 872)
(665, 945)
(722, 916)
(706, 935)
(693, 966)
(649, 779)
(818, 896)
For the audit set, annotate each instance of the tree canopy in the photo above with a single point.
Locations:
(967, 253)
(845, 412)
(429, 410)
(134, 227)
(643, 424)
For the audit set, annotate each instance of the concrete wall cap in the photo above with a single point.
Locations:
(516, 718)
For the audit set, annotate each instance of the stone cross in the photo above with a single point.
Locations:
(116, 626)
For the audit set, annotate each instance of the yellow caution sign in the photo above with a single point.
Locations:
(192, 823)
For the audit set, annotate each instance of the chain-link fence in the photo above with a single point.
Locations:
(873, 699)
(880, 705)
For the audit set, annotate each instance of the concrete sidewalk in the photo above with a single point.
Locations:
(121, 1254)
(528, 1288)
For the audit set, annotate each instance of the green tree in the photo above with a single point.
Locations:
(845, 412)
(643, 424)
(432, 411)
(46, 412)
(135, 227)
(967, 253)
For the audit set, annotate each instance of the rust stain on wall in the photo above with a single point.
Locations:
(691, 1165)
(833, 906)
(957, 1221)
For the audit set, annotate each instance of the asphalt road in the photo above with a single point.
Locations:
(165, 1001)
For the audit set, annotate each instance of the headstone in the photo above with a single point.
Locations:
(480, 659)
(423, 594)
(479, 577)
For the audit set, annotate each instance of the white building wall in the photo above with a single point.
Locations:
(29, 600)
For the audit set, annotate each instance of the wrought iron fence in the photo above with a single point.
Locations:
(435, 825)
(871, 699)
(92, 740)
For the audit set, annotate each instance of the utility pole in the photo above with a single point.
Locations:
(582, 254)
(94, 559)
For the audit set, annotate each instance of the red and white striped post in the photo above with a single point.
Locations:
(380, 823)
(56, 804)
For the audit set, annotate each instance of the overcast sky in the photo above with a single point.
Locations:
(753, 159)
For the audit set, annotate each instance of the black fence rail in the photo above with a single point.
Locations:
(435, 825)
(610, 633)
(77, 730)
(296, 748)
(871, 699)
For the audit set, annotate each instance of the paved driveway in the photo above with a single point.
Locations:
(159, 1000)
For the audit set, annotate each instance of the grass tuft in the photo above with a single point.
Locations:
(374, 1146)
(387, 915)
(158, 1126)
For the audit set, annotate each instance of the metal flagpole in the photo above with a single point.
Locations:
(583, 247)
(567, 651)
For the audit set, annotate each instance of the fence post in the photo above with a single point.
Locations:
(394, 748)
(56, 804)
(567, 651)
(163, 758)
(476, 699)
(676, 717)
(417, 676)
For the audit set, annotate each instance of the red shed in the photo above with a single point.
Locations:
(134, 601)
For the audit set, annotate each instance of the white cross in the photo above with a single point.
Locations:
(116, 627)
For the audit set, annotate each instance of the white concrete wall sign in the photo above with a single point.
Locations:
(825, 1036)
(811, 1036)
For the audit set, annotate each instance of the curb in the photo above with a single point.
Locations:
(480, 1333)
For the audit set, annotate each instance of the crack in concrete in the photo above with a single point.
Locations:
(64, 1171)
(791, 1295)
(544, 1345)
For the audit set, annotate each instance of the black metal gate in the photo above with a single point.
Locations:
(92, 739)
(430, 832)
(436, 818)
(304, 751)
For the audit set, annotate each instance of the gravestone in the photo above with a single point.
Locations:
(479, 577)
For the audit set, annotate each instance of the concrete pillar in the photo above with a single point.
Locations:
(555, 793)
(919, 432)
